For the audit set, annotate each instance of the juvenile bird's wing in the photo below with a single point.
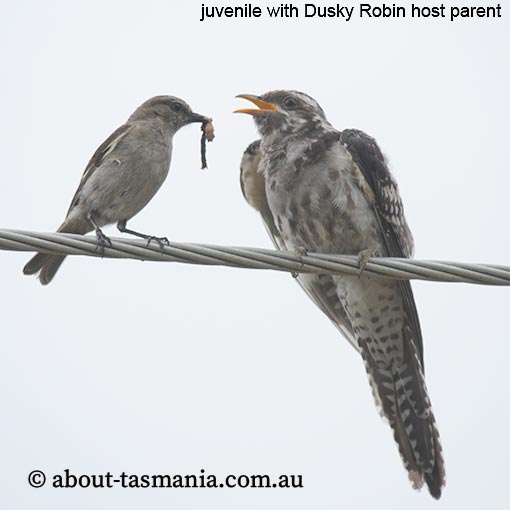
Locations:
(253, 187)
(399, 384)
(98, 157)
(387, 205)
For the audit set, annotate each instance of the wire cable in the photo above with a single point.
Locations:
(256, 258)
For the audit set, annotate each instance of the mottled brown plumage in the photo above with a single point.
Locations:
(332, 192)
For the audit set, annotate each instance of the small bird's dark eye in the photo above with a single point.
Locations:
(289, 102)
(176, 107)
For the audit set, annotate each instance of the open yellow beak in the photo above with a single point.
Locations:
(264, 106)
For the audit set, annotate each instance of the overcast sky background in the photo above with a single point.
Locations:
(160, 368)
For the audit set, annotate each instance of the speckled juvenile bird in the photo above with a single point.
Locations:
(122, 176)
(332, 192)
(253, 186)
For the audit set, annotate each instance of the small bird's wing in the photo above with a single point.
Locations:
(98, 157)
(384, 196)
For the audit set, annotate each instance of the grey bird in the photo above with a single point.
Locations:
(122, 176)
(332, 192)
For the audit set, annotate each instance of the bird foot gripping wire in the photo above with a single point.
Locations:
(102, 241)
(302, 252)
(363, 259)
(162, 241)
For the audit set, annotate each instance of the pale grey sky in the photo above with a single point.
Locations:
(158, 368)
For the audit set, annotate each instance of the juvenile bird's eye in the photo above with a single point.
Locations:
(290, 102)
(176, 107)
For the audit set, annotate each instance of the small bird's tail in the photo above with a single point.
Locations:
(47, 265)
(402, 394)
(44, 264)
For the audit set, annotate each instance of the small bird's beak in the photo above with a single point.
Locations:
(196, 117)
(264, 106)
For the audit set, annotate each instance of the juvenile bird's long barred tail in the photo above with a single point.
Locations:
(402, 394)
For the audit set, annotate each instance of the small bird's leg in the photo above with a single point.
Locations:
(363, 259)
(102, 240)
(162, 241)
(301, 251)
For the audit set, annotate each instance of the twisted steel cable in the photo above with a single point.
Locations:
(256, 258)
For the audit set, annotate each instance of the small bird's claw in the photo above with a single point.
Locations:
(363, 259)
(162, 241)
(102, 241)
